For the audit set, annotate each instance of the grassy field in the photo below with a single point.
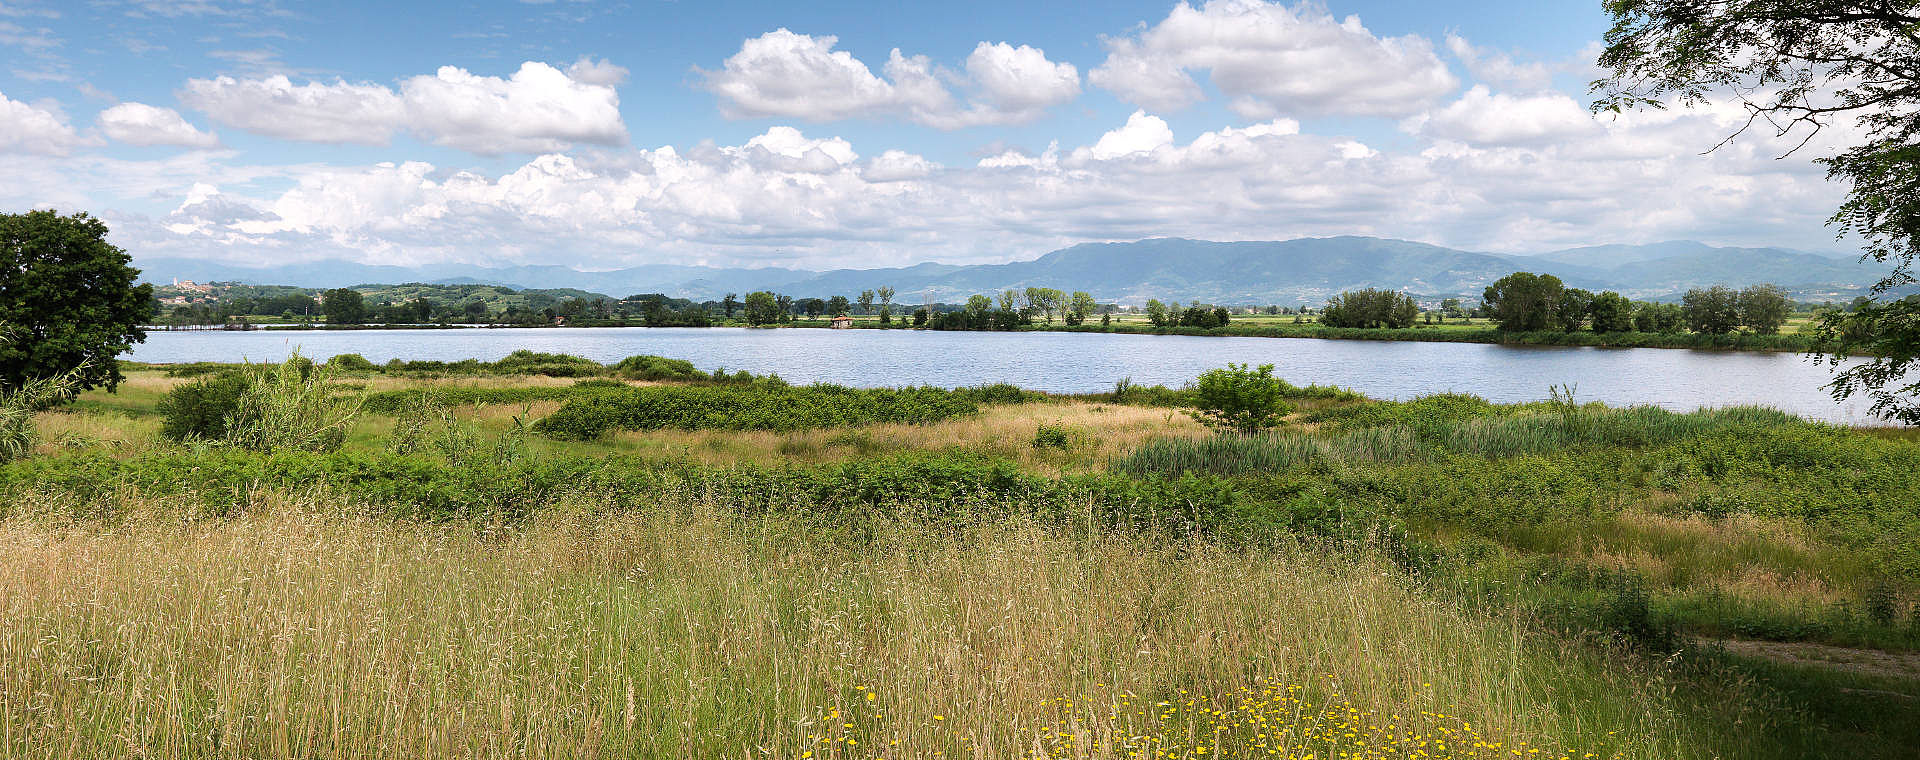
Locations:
(1083, 577)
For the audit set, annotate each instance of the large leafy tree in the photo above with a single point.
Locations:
(68, 298)
(344, 306)
(763, 308)
(1611, 312)
(1800, 67)
(1523, 301)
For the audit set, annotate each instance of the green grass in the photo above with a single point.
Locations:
(1546, 567)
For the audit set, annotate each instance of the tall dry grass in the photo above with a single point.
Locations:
(679, 631)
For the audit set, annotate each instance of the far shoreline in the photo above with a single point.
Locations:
(1741, 342)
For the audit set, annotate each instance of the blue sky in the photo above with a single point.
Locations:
(850, 134)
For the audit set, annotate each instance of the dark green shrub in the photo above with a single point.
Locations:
(1000, 393)
(435, 367)
(757, 406)
(598, 384)
(352, 363)
(198, 369)
(1883, 603)
(524, 362)
(648, 367)
(1630, 613)
(201, 409)
(1052, 437)
(397, 401)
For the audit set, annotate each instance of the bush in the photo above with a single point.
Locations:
(1000, 393)
(758, 406)
(647, 367)
(200, 410)
(399, 401)
(352, 363)
(1051, 437)
(291, 407)
(1240, 399)
(199, 369)
(18, 405)
(524, 362)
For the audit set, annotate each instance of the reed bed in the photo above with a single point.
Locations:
(679, 630)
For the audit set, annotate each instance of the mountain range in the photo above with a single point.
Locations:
(1303, 270)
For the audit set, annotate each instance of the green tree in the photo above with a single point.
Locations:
(1239, 399)
(1156, 312)
(1665, 318)
(344, 306)
(886, 296)
(1570, 309)
(728, 303)
(69, 299)
(1763, 308)
(1045, 302)
(1370, 308)
(1523, 301)
(1611, 313)
(1082, 307)
(866, 302)
(1713, 311)
(763, 308)
(1798, 67)
(837, 306)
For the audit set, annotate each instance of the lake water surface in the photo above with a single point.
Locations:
(1082, 362)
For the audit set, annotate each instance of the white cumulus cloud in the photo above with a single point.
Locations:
(1273, 59)
(790, 75)
(1483, 117)
(793, 198)
(30, 128)
(142, 124)
(538, 108)
(341, 112)
(1143, 133)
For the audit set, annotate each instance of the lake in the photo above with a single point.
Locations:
(1083, 362)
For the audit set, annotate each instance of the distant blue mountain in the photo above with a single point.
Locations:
(1304, 270)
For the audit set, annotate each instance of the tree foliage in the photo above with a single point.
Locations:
(69, 299)
(1611, 312)
(1570, 309)
(763, 308)
(1713, 311)
(344, 306)
(1664, 318)
(1799, 67)
(1523, 301)
(1239, 399)
(1370, 308)
(1082, 306)
(1763, 308)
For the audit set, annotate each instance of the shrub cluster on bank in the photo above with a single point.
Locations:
(763, 407)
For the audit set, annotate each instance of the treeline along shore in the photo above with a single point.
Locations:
(1521, 309)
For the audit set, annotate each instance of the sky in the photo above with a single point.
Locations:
(837, 134)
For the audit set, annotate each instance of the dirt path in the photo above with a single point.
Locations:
(1872, 662)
